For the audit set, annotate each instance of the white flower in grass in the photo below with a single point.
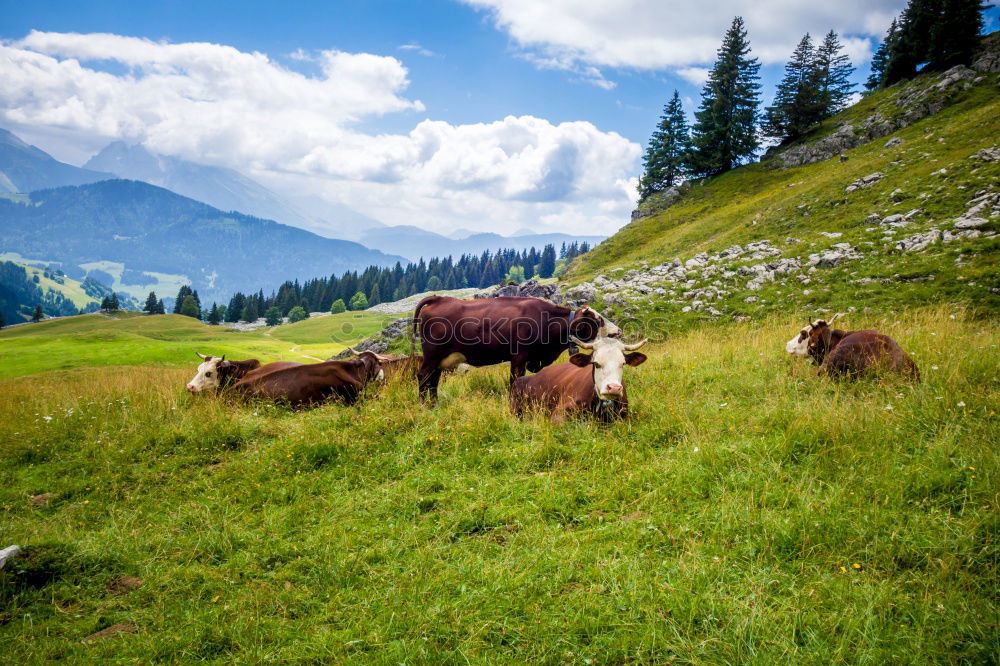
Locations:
(961, 404)
(888, 408)
(47, 418)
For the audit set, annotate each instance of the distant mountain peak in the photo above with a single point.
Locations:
(26, 168)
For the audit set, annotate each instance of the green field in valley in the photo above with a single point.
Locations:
(171, 340)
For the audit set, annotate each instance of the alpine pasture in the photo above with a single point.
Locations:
(747, 512)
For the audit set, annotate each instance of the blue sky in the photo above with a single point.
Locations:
(418, 93)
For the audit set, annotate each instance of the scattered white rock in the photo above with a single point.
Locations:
(987, 155)
(864, 181)
(918, 242)
(893, 142)
(831, 234)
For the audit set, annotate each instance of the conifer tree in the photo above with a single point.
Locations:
(3, 322)
(797, 105)
(666, 155)
(182, 293)
(105, 304)
(936, 33)
(213, 315)
(151, 303)
(725, 134)
(189, 307)
(547, 265)
(250, 312)
(113, 303)
(834, 71)
(160, 307)
(881, 59)
(38, 314)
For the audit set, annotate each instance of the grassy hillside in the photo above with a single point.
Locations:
(759, 202)
(68, 287)
(748, 512)
(130, 338)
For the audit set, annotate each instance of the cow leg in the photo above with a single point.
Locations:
(517, 367)
(427, 379)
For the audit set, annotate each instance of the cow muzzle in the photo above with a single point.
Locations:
(192, 388)
(612, 392)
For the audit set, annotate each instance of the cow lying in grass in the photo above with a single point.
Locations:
(851, 354)
(587, 384)
(215, 373)
(310, 384)
(407, 366)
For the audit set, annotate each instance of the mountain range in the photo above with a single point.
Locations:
(414, 243)
(136, 237)
(124, 242)
(25, 168)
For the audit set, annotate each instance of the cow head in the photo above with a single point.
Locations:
(607, 361)
(372, 364)
(207, 376)
(588, 324)
(799, 345)
(818, 343)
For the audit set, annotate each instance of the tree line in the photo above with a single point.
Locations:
(355, 290)
(729, 124)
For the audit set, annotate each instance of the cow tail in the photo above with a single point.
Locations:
(416, 321)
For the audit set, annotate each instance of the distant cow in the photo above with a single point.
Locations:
(215, 373)
(851, 353)
(588, 383)
(314, 383)
(531, 333)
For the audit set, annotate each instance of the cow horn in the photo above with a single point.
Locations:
(223, 358)
(580, 343)
(354, 351)
(635, 345)
(201, 356)
(835, 317)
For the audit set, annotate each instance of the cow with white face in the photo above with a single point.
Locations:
(206, 378)
(588, 383)
(799, 345)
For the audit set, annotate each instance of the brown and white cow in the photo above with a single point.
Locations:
(853, 354)
(215, 373)
(588, 383)
(313, 383)
(530, 333)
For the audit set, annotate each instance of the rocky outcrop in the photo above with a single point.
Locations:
(915, 101)
(379, 342)
(532, 288)
(864, 181)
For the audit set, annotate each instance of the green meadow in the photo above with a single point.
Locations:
(747, 512)
(130, 338)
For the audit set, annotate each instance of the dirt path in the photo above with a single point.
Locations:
(295, 350)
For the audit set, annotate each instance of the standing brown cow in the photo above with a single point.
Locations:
(531, 333)
(314, 383)
(855, 353)
(586, 384)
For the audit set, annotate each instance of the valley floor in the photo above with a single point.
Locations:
(748, 512)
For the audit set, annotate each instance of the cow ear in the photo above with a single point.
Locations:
(635, 358)
(581, 360)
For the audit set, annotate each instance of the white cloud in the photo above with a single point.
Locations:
(213, 103)
(417, 48)
(696, 76)
(653, 34)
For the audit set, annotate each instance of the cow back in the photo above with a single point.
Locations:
(864, 352)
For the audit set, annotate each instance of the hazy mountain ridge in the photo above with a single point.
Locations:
(413, 242)
(141, 236)
(25, 168)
